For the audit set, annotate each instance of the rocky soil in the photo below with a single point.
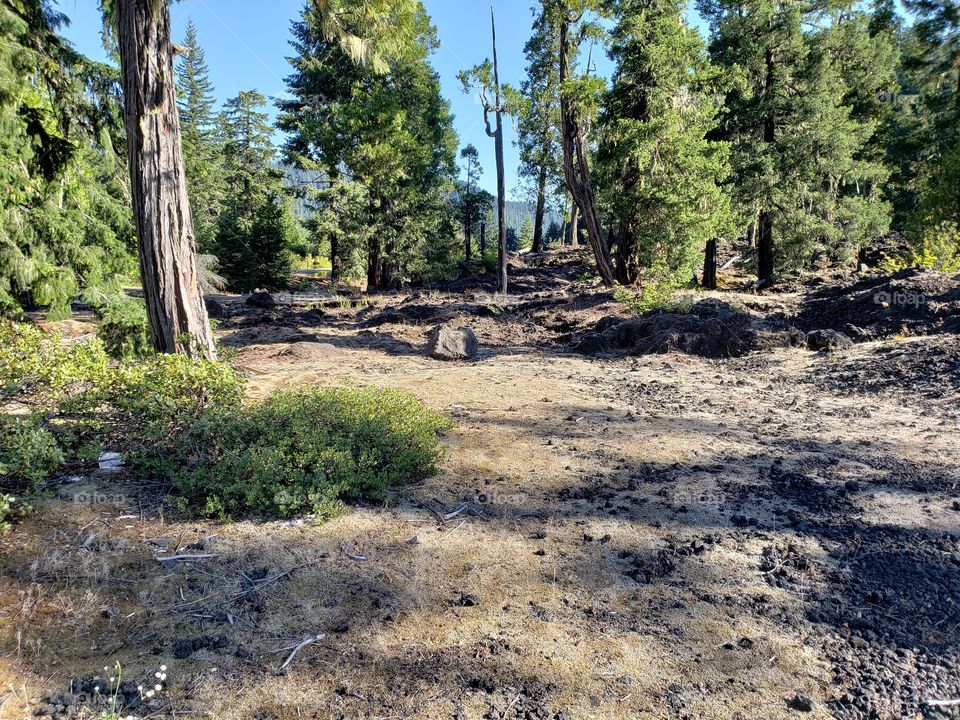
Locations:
(689, 514)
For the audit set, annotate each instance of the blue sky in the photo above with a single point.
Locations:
(246, 42)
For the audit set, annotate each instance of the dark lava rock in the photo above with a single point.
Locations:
(263, 300)
(449, 343)
(467, 600)
(913, 301)
(827, 340)
(711, 329)
(801, 702)
(215, 309)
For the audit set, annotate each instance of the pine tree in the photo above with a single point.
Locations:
(934, 59)
(538, 121)
(202, 146)
(386, 143)
(660, 175)
(801, 182)
(526, 234)
(468, 190)
(254, 231)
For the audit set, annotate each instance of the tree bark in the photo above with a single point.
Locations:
(710, 265)
(574, 224)
(541, 206)
(374, 264)
(576, 168)
(765, 263)
(176, 314)
(765, 257)
(467, 240)
(483, 238)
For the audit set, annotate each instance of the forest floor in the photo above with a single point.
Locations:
(738, 528)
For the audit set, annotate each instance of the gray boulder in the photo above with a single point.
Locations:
(447, 342)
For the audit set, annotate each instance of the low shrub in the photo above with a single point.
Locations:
(303, 451)
(41, 367)
(656, 293)
(939, 249)
(29, 452)
(11, 509)
(123, 328)
(182, 420)
(80, 402)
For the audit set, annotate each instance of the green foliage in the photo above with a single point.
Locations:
(82, 402)
(11, 510)
(802, 121)
(386, 214)
(659, 173)
(29, 452)
(939, 249)
(526, 234)
(257, 226)
(123, 327)
(304, 451)
(42, 366)
(201, 139)
(65, 219)
(657, 292)
(168, 392)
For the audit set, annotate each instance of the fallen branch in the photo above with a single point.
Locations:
(174, 558)
(306, 641)
(450, 516)
(943, 703)
(351, 555)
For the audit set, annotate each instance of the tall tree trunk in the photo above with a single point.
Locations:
(483, 238)
(166, 243)
(710, 265)
(541, 206)
(765, 262)
(576, 169)
(574, 224)
(334, 260)
(374, 264)
(468, 229)
(501, 172)
(765, 259)
(628, 266)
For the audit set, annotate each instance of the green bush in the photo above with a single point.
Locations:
(123, 328)
(82, 403)
(303, 451)
(182, 420)
(42, 366)
(658, 292)
(29, 452)
(169, 391)
(11, 509)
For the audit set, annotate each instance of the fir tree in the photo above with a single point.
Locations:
(255, 229)
(202, 146)
(538, 121)
(802, 182)
(65, 219)
(386, 143)
(659, 173)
